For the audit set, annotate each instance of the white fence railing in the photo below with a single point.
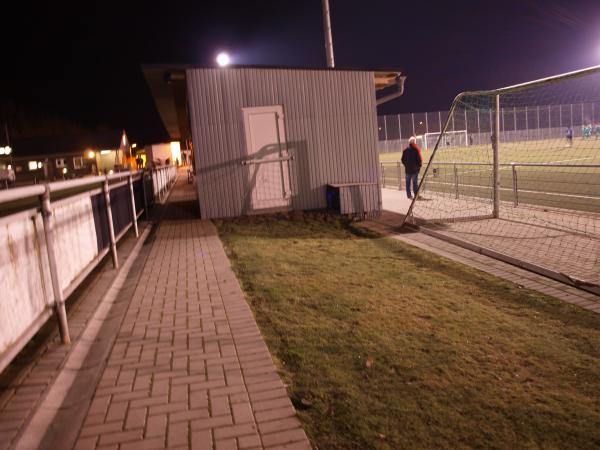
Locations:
(162, 177)
(53, 235)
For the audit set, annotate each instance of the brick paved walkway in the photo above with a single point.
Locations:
(189, 368)
(389, 221)
(26, 381)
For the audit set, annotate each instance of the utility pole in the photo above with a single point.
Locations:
(328, 39)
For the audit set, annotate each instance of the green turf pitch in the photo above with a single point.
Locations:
(576, 188)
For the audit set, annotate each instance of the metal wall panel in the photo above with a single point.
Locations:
(330, 123)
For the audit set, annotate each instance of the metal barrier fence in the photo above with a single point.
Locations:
(568, 186)
(516, 124)
(53, 235)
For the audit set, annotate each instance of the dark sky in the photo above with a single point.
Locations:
(84, 62)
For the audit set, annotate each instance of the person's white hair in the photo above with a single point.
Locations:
(412, 140)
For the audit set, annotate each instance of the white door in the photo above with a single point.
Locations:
(268, 158)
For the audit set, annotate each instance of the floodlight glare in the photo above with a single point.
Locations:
(223, 59)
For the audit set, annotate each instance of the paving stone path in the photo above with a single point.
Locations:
(189, 367)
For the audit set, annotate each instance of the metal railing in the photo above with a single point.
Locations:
(391, 176)
(107, 206)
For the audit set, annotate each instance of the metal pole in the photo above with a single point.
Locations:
(571, 115)
(455, 181)
(539, 128)
(515, 119)
(495, 145)
(478, 128)
(145, 193)
(399, 170)
(412, 116)
(399, 129)
(440, 120)
(560, 125)
(328, 38)
(133, 211)
(549, 121)
(385, 133)
(111, 228)
(382, 175)
(59, 301)
(526, 123)
(515, 187)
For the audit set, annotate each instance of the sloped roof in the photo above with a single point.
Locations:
(167, 85)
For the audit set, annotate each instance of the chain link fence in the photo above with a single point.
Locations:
(530, 123)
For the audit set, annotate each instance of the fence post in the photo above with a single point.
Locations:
(144, 190)
(495, 143)
(59, 301)
(111, 228)
(133, 211)
(455, 181)
(382, 175)
(478, 129)
(515, 187)
(399, 175)
(539, 128)
(399, 130)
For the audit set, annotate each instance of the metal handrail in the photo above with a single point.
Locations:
(517, 164)
(19, 193)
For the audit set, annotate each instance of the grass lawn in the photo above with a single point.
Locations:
(385, 346)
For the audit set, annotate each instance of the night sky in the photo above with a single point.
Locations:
(83, 63)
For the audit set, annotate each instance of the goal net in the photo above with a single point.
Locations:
(529, 191)
(449, 139)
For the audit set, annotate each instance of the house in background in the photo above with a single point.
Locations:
(276, 139)
(69, 156)
(163, 153)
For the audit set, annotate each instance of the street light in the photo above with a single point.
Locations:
(223, 59)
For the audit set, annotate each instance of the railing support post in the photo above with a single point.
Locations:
(382, 175)
(111, 228)
(133, 211)
(515, 185)
(145, 194)
(455, 181)
(496, 169)
(59, 301)
(399, 169)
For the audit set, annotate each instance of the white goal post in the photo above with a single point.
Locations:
(456, 138)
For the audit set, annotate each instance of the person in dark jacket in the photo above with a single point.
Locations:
(412, 161)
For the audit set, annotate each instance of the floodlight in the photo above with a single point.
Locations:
(223, 59)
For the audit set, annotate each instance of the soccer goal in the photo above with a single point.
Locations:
(456, 138)
(529, 191)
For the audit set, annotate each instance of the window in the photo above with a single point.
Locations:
(78, 162)
(33, 165)
(60, 162)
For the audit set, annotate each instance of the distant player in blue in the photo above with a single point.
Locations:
(570, 135)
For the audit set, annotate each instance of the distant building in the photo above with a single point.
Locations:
(42, 159)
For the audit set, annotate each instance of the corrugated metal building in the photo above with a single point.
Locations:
(269, 139)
